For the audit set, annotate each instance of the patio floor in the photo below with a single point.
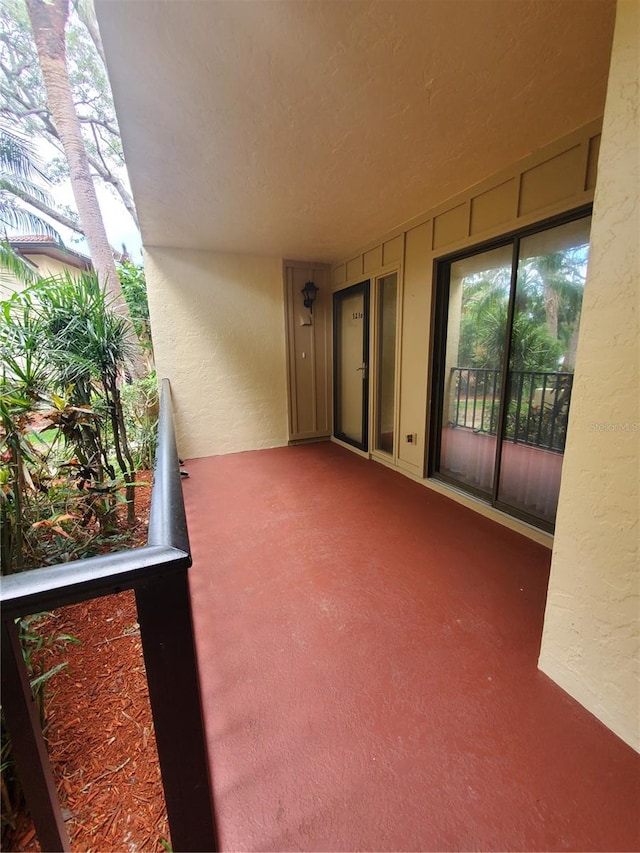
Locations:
(368, 656)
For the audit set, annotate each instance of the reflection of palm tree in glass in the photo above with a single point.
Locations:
(561, 276)
(518, 409)
(547, 311)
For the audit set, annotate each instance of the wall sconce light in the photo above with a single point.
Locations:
(309, 292)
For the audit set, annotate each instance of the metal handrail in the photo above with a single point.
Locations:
(157, 572)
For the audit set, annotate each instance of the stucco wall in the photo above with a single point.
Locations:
(45, 267)
(48, 267)
(218, 327)
(591, 632)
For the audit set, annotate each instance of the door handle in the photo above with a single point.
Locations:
(364, 370)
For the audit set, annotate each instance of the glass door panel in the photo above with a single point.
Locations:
(476, 333)
(552, 268)
(386, 362)
(351, 356)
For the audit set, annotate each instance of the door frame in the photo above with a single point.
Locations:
(441, 268)
(364, 287)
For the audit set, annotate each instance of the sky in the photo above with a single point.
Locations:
(118, 223)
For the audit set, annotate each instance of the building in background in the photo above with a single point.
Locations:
(47, 257)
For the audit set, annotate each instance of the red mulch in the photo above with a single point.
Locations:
(100, 731)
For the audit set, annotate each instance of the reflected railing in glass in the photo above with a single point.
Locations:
(538, 411)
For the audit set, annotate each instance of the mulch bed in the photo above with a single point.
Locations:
(100, 731)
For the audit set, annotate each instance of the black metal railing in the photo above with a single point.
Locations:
(157, 572)
(537, 409)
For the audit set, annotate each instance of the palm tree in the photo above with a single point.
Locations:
(89, 344)
(48, 21)
(547, 312)
(19, 170)
(562, 275)
(61, 344)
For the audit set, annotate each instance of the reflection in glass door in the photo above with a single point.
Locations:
(507, 321)
(552, 267)
(476, 332)
(387, 288)
(351, 364)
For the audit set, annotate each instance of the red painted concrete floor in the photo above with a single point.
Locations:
(368, 657)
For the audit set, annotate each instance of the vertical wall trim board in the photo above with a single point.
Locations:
(309, 388)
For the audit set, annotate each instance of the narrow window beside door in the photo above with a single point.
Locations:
(386, 362)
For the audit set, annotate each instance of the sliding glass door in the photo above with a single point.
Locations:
(507, 320)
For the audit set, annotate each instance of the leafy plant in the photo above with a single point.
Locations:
(547, 312)
(140, 406)
(91, 347)
(37, 643)
(64, 416)
(64, 354)
(134, 288)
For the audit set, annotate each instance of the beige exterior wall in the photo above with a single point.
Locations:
(554, 180)
(591, 634)
(8, 285)
(48, 267)
(45, 267)
(219, 336)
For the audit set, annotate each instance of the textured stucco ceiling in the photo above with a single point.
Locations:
(306, 129)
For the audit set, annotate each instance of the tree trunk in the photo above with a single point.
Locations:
(570, 360)
(58, 216)
(551, 309)
(120, 443)
(109, 178)
(87, 15)
(48, 20)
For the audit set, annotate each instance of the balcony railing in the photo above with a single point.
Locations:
(537, 411)
(157, 573)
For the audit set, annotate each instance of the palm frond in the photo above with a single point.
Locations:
(16, 218)
(18, 156)
(19, 186)
(14, 267)
(19, 171)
